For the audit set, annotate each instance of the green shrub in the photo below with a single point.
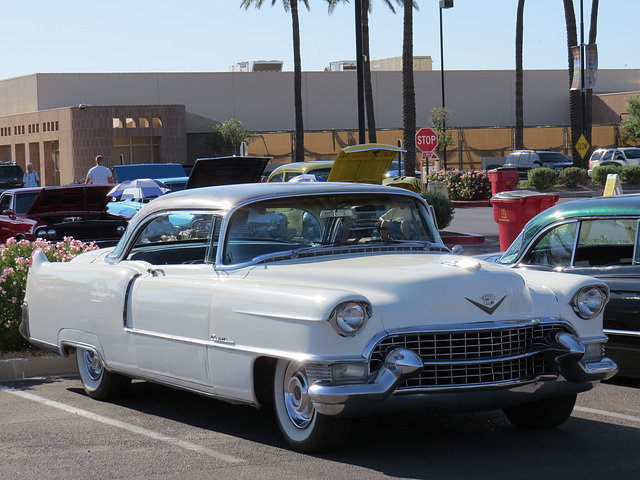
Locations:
(542, 178)
(14, 264)
(630, 174)
(573, 176)
(442, 206)
(464, 185)
(599, 174)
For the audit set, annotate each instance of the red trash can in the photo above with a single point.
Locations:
(513, 209)
(503, 179)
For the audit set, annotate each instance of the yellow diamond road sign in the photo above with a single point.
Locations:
(582, 146)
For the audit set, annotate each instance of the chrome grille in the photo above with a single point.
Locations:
(472, 357)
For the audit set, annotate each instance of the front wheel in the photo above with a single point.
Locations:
(542, 414)
(304, 429)
(97, 381)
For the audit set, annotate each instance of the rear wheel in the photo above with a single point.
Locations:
(304, 429)
(542, 414)
(98, 382)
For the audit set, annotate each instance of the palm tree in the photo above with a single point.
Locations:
(408, 90)
(574, 95)
(292, 6)
(519, 80)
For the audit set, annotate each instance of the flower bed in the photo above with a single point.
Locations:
(464, 185)
(14, 264)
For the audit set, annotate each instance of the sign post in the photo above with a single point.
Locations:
(426, 142)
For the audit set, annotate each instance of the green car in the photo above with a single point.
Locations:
(596, 237)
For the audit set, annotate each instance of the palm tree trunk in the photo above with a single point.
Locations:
(519, 78)
(297, 80)
(575, 103)
(368, 88)
(408, 91)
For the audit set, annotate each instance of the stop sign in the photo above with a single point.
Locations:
(426, 140)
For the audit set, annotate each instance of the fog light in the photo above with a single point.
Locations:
(341, 372)
(594, 351)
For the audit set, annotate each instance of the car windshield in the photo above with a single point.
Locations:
(552, 157)
(632, 153)
(294, 224)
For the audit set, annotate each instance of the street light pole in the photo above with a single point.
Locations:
(360, 71)
(443, 4)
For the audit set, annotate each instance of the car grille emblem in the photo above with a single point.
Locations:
(489, 304)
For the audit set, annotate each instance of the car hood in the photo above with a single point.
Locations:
(209, 172)
(408, 290)
(71, 200)
(367, 163)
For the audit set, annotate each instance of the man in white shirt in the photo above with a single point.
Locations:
(99, 174)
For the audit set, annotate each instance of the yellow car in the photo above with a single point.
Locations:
(366, 163)
(287, 171)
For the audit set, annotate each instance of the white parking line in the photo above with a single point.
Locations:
(125, 426)
(619, 416)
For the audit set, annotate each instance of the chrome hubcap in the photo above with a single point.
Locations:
(92, 364)
(296, 397)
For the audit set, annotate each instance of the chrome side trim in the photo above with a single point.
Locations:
(622, 333)
(127, 295)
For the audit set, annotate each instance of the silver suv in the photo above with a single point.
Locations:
(525, 160)
(614, 156)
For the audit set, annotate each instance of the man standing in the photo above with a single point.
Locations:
(99, 174)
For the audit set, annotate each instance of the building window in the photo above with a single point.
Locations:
(130, 123)
(157, 122)
(143, 122)
(117, 123)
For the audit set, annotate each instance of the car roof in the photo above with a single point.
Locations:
(301, 167)
(612, 206)
(224, 197)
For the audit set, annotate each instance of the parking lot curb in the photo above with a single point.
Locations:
(22, 368)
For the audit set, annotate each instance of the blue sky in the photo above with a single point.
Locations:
(41, 36)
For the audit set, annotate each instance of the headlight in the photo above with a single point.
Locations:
(588, 302)
(348, 318)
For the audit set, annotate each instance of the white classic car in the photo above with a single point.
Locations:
(326, 300)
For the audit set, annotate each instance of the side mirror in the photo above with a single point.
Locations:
(8, 213)
(537, 162)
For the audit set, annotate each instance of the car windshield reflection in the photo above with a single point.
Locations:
(294, 224)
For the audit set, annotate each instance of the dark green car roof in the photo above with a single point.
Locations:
(615, 206)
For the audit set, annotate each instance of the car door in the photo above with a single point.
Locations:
(169, 305)
(12, 224)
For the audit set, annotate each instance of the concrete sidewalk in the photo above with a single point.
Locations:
(13, 369)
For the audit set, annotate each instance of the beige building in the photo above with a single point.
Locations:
(60, 122)
(62, 143)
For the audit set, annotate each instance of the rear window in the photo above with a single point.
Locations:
(633, 153)
(552, 157)
(10, 173)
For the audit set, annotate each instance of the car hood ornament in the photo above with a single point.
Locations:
(488, 303)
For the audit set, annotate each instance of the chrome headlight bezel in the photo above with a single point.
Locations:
(349, 318)
(589, 301)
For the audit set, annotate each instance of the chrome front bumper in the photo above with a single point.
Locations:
(379, 394)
